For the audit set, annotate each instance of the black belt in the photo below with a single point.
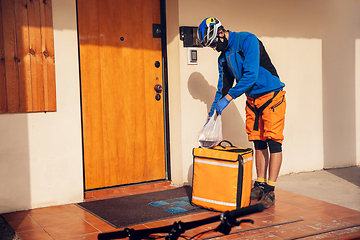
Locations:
(258, 111)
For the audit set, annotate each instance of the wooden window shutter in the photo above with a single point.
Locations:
(27, 66)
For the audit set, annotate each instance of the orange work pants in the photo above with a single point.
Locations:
(265, 117)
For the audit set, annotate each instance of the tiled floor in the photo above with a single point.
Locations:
(292, 217)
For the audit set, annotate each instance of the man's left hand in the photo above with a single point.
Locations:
(221, 105)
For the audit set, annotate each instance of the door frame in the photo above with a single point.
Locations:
(165, 97)
(165, 88)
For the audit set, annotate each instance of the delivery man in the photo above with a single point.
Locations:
(244, 59)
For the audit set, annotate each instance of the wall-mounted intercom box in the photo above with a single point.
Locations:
(189, 36)
(192, 56)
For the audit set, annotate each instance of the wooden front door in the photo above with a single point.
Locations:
(120, 63)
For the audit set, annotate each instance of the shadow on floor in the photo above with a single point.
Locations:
(350, 174)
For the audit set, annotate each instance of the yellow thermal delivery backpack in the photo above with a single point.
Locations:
(222, 177)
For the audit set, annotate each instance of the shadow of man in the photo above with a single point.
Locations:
(232, 122)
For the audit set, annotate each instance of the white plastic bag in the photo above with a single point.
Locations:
(211, 134)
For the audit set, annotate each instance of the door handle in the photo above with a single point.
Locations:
(158, 88)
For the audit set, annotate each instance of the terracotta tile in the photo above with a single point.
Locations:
(227, 237)
(259, 215)
(161, 223)
(47, 211)
(14, 216)
(162, 188)
(281, 207)
(347, 233)
(24, 224)
(170, 187)
(285, 195)
(108, 191)
(352, 219)
(86, 216)
(94, 199)
(261, 236)
(335, 211)
(35, 234)
(284, 225)
(121, 191)
(87, 199)
(269, 220)
(57, 219)
(100, 225)
(73, 223)
(306, 202)
(354, 237)
(148, 188)
(211, 226)
(74, 208)
(162, 184)
(88, 195)
(199, 216)
(244, 227)
(142, 191)
(70, 230)
(92, 236)
(108, 196)
(304, 214)
(329, 225)
(292, 232)
(325, 236)
(140, 187)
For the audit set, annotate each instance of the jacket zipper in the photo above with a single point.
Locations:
(278, 104)
(228, 60)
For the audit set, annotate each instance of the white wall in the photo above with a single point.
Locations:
(41, 153)
(312, 45)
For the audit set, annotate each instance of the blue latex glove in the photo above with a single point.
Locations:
(221, 104)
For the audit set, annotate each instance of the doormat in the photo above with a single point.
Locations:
(6, 231)
(142, 208)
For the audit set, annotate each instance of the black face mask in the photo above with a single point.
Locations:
(221, 46)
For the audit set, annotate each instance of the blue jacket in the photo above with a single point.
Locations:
(245, 60)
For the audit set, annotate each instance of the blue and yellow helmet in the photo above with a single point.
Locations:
(208, 30)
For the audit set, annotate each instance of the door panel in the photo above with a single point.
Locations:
(123, 123)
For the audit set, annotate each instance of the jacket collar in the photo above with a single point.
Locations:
(231, 40)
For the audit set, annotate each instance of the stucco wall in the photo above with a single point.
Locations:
(315, 46)
(312, 45)
(41, 153)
